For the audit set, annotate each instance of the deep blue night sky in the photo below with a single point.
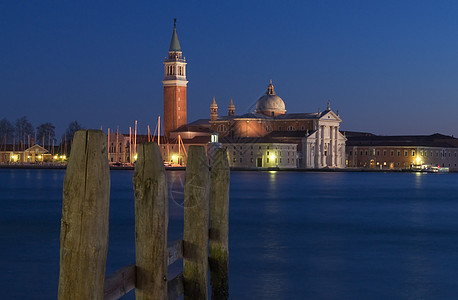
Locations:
(389, 67)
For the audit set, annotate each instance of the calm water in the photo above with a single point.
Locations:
(292, 235)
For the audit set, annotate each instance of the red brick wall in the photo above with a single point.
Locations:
(174, 107)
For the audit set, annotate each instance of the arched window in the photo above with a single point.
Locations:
(221, 128)
(291, 128)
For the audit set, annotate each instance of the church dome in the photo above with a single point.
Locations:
(270, 104)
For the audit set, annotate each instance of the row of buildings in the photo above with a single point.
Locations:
(267, 137)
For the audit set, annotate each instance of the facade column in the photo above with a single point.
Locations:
(336, 141)
(332, 149)
(317, 148)
(323, 157)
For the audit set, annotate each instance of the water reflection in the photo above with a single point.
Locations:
(418, 179)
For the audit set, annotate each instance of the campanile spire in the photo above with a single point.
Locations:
(175, 83)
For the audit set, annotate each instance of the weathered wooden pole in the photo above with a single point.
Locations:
(195, 234)
(219, 225)
(84, 225)
(151, 222)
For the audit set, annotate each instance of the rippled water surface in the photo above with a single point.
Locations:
(292, 235)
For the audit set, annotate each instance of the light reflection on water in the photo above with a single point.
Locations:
(292, 235)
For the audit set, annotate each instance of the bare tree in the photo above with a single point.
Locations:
(23, 130)
(46, 134)
(71, 129)
(6, 133)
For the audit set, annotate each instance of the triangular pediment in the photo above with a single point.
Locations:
(329, 115)
(37, 149)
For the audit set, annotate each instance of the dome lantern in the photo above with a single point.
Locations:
(270, 104)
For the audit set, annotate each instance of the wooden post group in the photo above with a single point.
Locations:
(84, 226)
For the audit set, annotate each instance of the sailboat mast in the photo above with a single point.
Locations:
(130, 144)
(135, 138)
(159, 130)
(108, 137)
(117, 143)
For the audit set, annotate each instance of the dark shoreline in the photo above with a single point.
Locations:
(232, 169)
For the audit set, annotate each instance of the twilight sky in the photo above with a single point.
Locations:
(389, 67)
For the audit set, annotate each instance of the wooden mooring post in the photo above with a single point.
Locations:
(219, 226)
(84, 225)
(151, 222)
(84, 229)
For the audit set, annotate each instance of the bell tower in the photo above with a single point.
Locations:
(174, 86)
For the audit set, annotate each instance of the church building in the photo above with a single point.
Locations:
(265, 137)
(319, 141)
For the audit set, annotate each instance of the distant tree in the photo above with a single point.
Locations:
(45, 134)
(23, 129)
(6, 132)
(70, 132)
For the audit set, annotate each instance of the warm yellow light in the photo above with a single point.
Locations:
(28, 156)
(272, 156)
(13, 157)
(55, 156)
(174, 157)
(418, 160)
(64, 157)
(135, 157)
(39, 156)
